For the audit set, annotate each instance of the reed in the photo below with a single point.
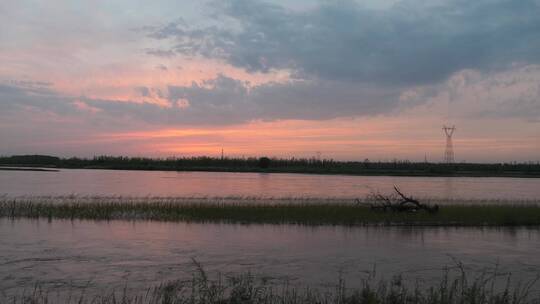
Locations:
(456, 285)
(302, 211)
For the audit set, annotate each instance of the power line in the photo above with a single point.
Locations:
(449, 152)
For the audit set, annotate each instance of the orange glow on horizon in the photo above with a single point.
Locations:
(338, 138)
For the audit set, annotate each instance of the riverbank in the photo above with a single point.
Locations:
(277, 165)
(433, 172)
(303, 211)
(2, 168)
(456, 285)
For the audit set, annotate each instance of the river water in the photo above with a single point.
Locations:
(209, 184)
(99, 255)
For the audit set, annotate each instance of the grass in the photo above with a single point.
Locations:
(455, 286)
(302, 211)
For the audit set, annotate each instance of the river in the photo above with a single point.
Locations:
(99, 256)
(104, 255)
(210, 184)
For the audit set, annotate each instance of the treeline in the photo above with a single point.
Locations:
(265, 164)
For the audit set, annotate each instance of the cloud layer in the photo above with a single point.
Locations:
(70, 73)
(414, 42)
(342, 59)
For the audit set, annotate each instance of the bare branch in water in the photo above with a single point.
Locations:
(398, 203)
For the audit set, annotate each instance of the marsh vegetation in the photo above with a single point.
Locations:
(246, 210)
(456, 285)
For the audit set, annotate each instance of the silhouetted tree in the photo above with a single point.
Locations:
(264, 162)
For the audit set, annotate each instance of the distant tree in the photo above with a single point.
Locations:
(264, 162)
(30, 160)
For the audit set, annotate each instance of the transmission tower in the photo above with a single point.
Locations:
(449, 152)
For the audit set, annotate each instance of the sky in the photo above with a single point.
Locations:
(342, 79)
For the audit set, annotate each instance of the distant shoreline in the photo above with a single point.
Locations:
(2, 168)
(276, 165)
(283, 170)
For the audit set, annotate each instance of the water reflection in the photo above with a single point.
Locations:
(449, 188)
(111, 254)
(155, 183)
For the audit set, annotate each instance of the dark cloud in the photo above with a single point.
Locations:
(414, 42)
(218, 101)
(150, 92)
(226, 100)
(143, 91)
(162, 67)
(30, 84)
(16, 95)
(161, 53)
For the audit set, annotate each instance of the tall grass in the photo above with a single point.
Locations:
(455, 286)
(269, 211)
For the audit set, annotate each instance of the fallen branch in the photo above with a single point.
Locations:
(398, 203)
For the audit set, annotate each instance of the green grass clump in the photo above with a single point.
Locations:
(272, 211)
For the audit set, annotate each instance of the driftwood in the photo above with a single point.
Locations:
(399, 203)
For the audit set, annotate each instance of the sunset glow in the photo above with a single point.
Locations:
(188, 79)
